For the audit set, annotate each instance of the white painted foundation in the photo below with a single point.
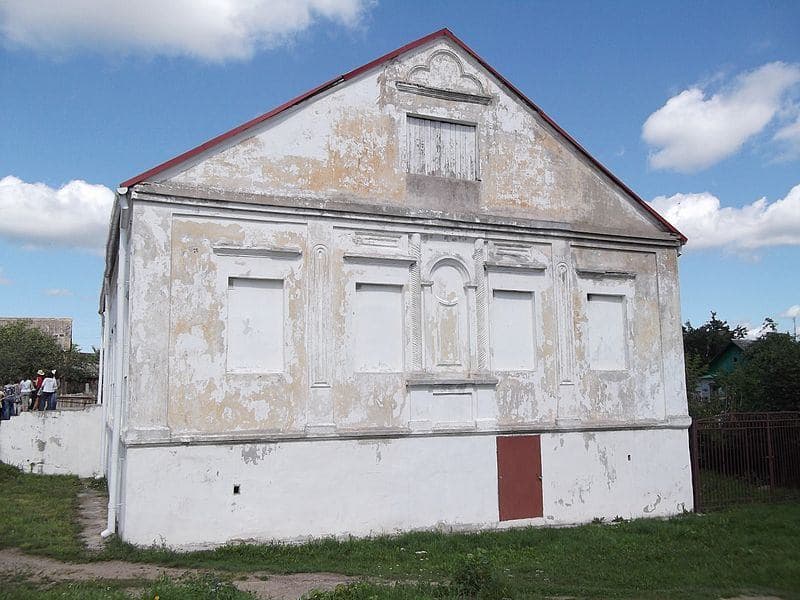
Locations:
(296, 490)
(60, 442)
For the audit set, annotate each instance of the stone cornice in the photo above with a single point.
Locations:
(362, 210)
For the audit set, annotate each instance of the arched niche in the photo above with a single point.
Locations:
(446, 322)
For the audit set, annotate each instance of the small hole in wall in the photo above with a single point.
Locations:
(236, 488)
(629, 457)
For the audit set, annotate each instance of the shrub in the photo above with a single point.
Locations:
(475, 576)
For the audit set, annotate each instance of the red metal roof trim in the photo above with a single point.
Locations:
(446, 33)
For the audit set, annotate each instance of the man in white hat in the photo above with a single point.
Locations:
(37, 391)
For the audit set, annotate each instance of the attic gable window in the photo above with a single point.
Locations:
(442, 148)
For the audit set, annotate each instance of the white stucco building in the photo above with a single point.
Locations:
(405, 299)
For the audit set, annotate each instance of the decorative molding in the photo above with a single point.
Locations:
(377, 238)
(443, 94)
(496, 265)
(263, 252)
(444, 380)
(356, 212)
(499, 250)
(356, 257)
(415, 289)
(600, 274)
(566, 345)
(452, 261)
(427, 74)
(481, 306)
(271, 436)
(320, 282)
(511, 255)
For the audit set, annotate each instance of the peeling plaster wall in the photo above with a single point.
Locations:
(402, 484)
(316, 208)
(61, 442)
(352, 142)
(182, 385)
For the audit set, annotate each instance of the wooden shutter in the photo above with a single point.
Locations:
(441, 148)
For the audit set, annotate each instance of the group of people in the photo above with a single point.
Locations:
(41, 393)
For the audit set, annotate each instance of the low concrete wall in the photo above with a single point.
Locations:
(54, 442)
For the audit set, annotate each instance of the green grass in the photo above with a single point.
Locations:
(751, 549)
(205, 587)
(87, 590)
(38, 513)
(718, 490)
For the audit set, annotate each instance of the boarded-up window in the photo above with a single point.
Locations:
(255, 325)
(512, 332)
(442, 148)
(606, 348)
(378, 328)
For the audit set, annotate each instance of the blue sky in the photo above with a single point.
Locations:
(695, 105)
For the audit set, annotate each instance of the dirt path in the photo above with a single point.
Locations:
(92, 513)
(92, 517)
(263, 585)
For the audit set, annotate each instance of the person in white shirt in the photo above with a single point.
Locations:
(48, 392)
(25, 389)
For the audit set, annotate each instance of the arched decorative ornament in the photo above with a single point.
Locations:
(443, 76)
(447, 313)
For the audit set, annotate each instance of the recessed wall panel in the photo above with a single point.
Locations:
(606, 334)
(378, 328)
(255, 325)
(512, 330)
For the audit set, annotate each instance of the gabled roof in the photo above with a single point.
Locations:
(442, 33)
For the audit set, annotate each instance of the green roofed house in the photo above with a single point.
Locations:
(725, 362)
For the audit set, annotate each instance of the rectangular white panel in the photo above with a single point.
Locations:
(454, 407)
(512, 330)
(442, 148)
(255, 325)
(605, 345)
(378, 328)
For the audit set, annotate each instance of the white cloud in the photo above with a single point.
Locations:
(789, 137)
(214, 30)
(75, 215)
(753, 333)
(792, 312)
(707, 224)
(57, 292)
(693, 131)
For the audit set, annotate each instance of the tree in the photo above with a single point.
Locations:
(24, 350)
(701, 345)
(77, 366)
(769, 376)
(695, 368)
(711, 338)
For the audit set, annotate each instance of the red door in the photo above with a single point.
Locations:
(519, 476)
